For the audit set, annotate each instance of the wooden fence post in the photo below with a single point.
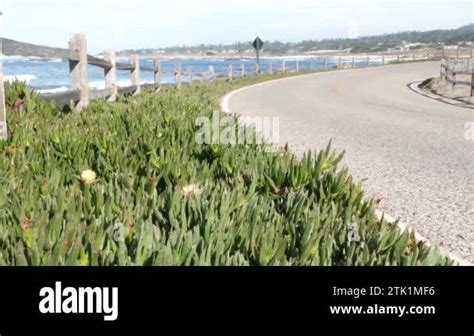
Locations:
(78, 69)
(157, 74)
(270, 68)
(383, 59)
(242, 70)
(414, 57)
(472, 83)
(457, 52)
(454, 80)
(190, 74)
(212, 72)
(368, 61)
(135, 59)
(353, 62)
(257, 69)
(203, 77)
(177, 75)
(297, 66)
(283, 66)
(231, 72)
(339, 62)
(111, 76)
(441, 69)
(3, 112)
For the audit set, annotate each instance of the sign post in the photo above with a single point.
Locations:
(258, 45)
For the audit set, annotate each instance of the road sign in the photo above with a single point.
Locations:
(258, 44)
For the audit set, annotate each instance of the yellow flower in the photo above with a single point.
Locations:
(191, 190)
(88, 176)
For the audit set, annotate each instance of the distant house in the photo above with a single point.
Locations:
(404, 46)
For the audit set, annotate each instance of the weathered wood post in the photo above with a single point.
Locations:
(472, 51)
(457, 52)
(353, 62)
(441, 69)
(270, 68)
(339, 62)
(3, 111)
(111, 76)
(230, 72)
(177, 75)
(383, 59)
(78, 69)
(368, 61)
(414, 57)
(135, 60)
(242, 70)
(428, 54)
(212, 72)
(283, 66)
(190, 74)
(398, 58)
(472, 83)
(257, 69)
(325, 63)
(297, 66)
(203, 77)
(157, 74)
(454, 80)
(311, 65)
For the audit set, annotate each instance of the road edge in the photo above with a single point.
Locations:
(224, 105)
(415, 87)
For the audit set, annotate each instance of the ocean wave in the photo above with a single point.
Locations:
(48, 60)
(54, 90)
(9, 59)
(33, 59)
(99, 85)
(22, 78)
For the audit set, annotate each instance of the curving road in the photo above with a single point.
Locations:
(410, 150)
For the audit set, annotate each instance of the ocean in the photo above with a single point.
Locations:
(52, 75)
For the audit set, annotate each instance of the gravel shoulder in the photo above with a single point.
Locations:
(409, 150)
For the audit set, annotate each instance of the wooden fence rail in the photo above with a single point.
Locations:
(451, 76)
(78, 58)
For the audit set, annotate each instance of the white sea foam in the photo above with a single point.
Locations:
(53, 60)
(33, 59)
(22, 78)
(9, 59)
(98, 85)
(54, 90)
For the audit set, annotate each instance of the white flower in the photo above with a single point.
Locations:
(191, 190)
(88, 176)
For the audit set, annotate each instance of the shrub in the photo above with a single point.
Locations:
(159, 198)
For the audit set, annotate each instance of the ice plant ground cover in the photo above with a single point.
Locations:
(127, 184)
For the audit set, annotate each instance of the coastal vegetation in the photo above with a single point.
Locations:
(127, 184)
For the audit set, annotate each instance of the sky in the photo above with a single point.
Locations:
(131, 24)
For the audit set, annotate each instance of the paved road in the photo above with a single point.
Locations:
(410, 149)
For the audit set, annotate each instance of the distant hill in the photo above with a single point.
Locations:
(433, 38)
